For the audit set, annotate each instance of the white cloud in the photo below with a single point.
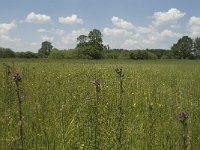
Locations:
(194, 26)
(56, 31)
(70, 20)
(71, 38)
(115, 32)
(6, 27)
(118, 22)
(175, 26)
(126, 35)
(34, 44)
(37, 18)
(41, 30)
(194, 21)
(144, 29)
(47, 38)
(172, 15)
(5, 38)
(8, 39)
(137, 37)
(169, 33)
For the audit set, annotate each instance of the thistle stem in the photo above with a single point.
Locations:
(20, 117)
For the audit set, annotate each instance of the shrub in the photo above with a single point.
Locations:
(56, 54)
(142, 54)
(26, 55)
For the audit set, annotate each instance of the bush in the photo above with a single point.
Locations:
(56, 54)
(89, 52)
(70, 54)
(142, 54)
(111, 55)
(26, 55)
(151, 55)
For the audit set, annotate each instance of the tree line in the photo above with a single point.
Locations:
(91, 47)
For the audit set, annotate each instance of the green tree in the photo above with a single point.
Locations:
(95, 38)
(82, 40)
(45, 49)
(27, 54)
(90, 46)
(183, 48)
(6, 53)
(197, 46)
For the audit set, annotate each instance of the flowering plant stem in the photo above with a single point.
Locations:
(20, 117)
(120, 127)
(17, 78)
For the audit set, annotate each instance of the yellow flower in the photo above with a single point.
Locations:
(82, 146)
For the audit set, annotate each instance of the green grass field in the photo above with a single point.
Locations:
(62, 109)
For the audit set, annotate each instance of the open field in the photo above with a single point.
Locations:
(64, 110)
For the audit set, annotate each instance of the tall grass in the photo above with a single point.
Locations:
(63, 110)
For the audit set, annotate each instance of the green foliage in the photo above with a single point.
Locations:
(95, 37)
(82, 40)
(159, 52)
(110, 55)
(142, 54)
(197, 47)
(7, 53)
(91, 49)
(45, 49)
(89, 52)
(183, 48)
(26, 55)
(56, 54)
(116, 53)
(70, 54)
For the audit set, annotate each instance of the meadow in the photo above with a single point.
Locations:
(88, 104)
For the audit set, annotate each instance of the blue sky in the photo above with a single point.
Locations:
(128, 24)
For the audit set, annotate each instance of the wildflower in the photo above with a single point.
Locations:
(182, 116)
(17, 77)
(97, 84)
(82, 146)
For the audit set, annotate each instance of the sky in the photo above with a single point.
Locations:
(127, 24)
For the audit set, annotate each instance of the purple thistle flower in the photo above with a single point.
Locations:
(97, 82)
(182, 116)
(17, 77)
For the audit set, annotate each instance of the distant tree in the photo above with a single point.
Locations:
(90, 46)
(56, 54)
(158, 52)
(183, 48)
(6, 53)
(142, 54)
(45, 49)
(82, 39)
(95, 37)
(27, 54)
(89, 52)
(197, 47)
